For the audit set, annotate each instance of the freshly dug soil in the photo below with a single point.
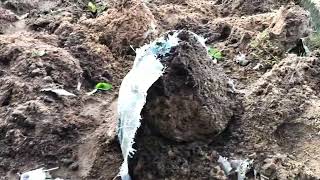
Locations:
(265, 108)
(192, 100)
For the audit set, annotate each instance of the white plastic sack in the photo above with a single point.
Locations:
(38, 174)
(146, 70)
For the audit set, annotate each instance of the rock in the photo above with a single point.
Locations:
(191, 100)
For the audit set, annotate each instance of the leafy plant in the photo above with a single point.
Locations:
(103, 86)
(96, 8)
(92, 7)
(215, 53)
(100, 87)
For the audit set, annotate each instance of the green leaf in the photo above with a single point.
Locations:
(92, 7)
(215, 53)
(103, 86)
(218, 55)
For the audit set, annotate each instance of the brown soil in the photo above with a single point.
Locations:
(191, 88)
(270, 113)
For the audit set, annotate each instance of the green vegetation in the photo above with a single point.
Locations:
(100, 87)
(103, 86)
(215, 53)
(96, 8)
(92, 7)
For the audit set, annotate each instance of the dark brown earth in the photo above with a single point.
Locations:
(269, 109)
(192, 100)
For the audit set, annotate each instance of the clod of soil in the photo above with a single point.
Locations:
(7, 18)
(192, 99)
(124, 27)
(289, 25)
(275, 117)
(38, 126)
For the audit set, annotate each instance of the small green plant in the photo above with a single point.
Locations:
(92, 7)
(96, 8)
(100, 87)
(103, 86)
(38, 53)
(215, 53)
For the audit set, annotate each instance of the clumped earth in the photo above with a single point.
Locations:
(192, 100)
(264, 107)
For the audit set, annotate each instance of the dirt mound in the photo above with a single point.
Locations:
(284, 93)
(7, 19)
(282, 29)
(40, 127)
(22, 7)
(265, 108)
(104, 45)
(274, 108)
(192, 99)
(128, 25)
(278, 125)
(37, 64)
(158, 158)
(33, 123)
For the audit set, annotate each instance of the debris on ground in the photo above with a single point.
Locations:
(38, 174)
(241, 167)
(241, 59)
(133, 92)
(59, 92)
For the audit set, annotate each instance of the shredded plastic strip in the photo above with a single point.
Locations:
(146, 69)
(241, 167)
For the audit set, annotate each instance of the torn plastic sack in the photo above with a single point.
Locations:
(146, 70)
